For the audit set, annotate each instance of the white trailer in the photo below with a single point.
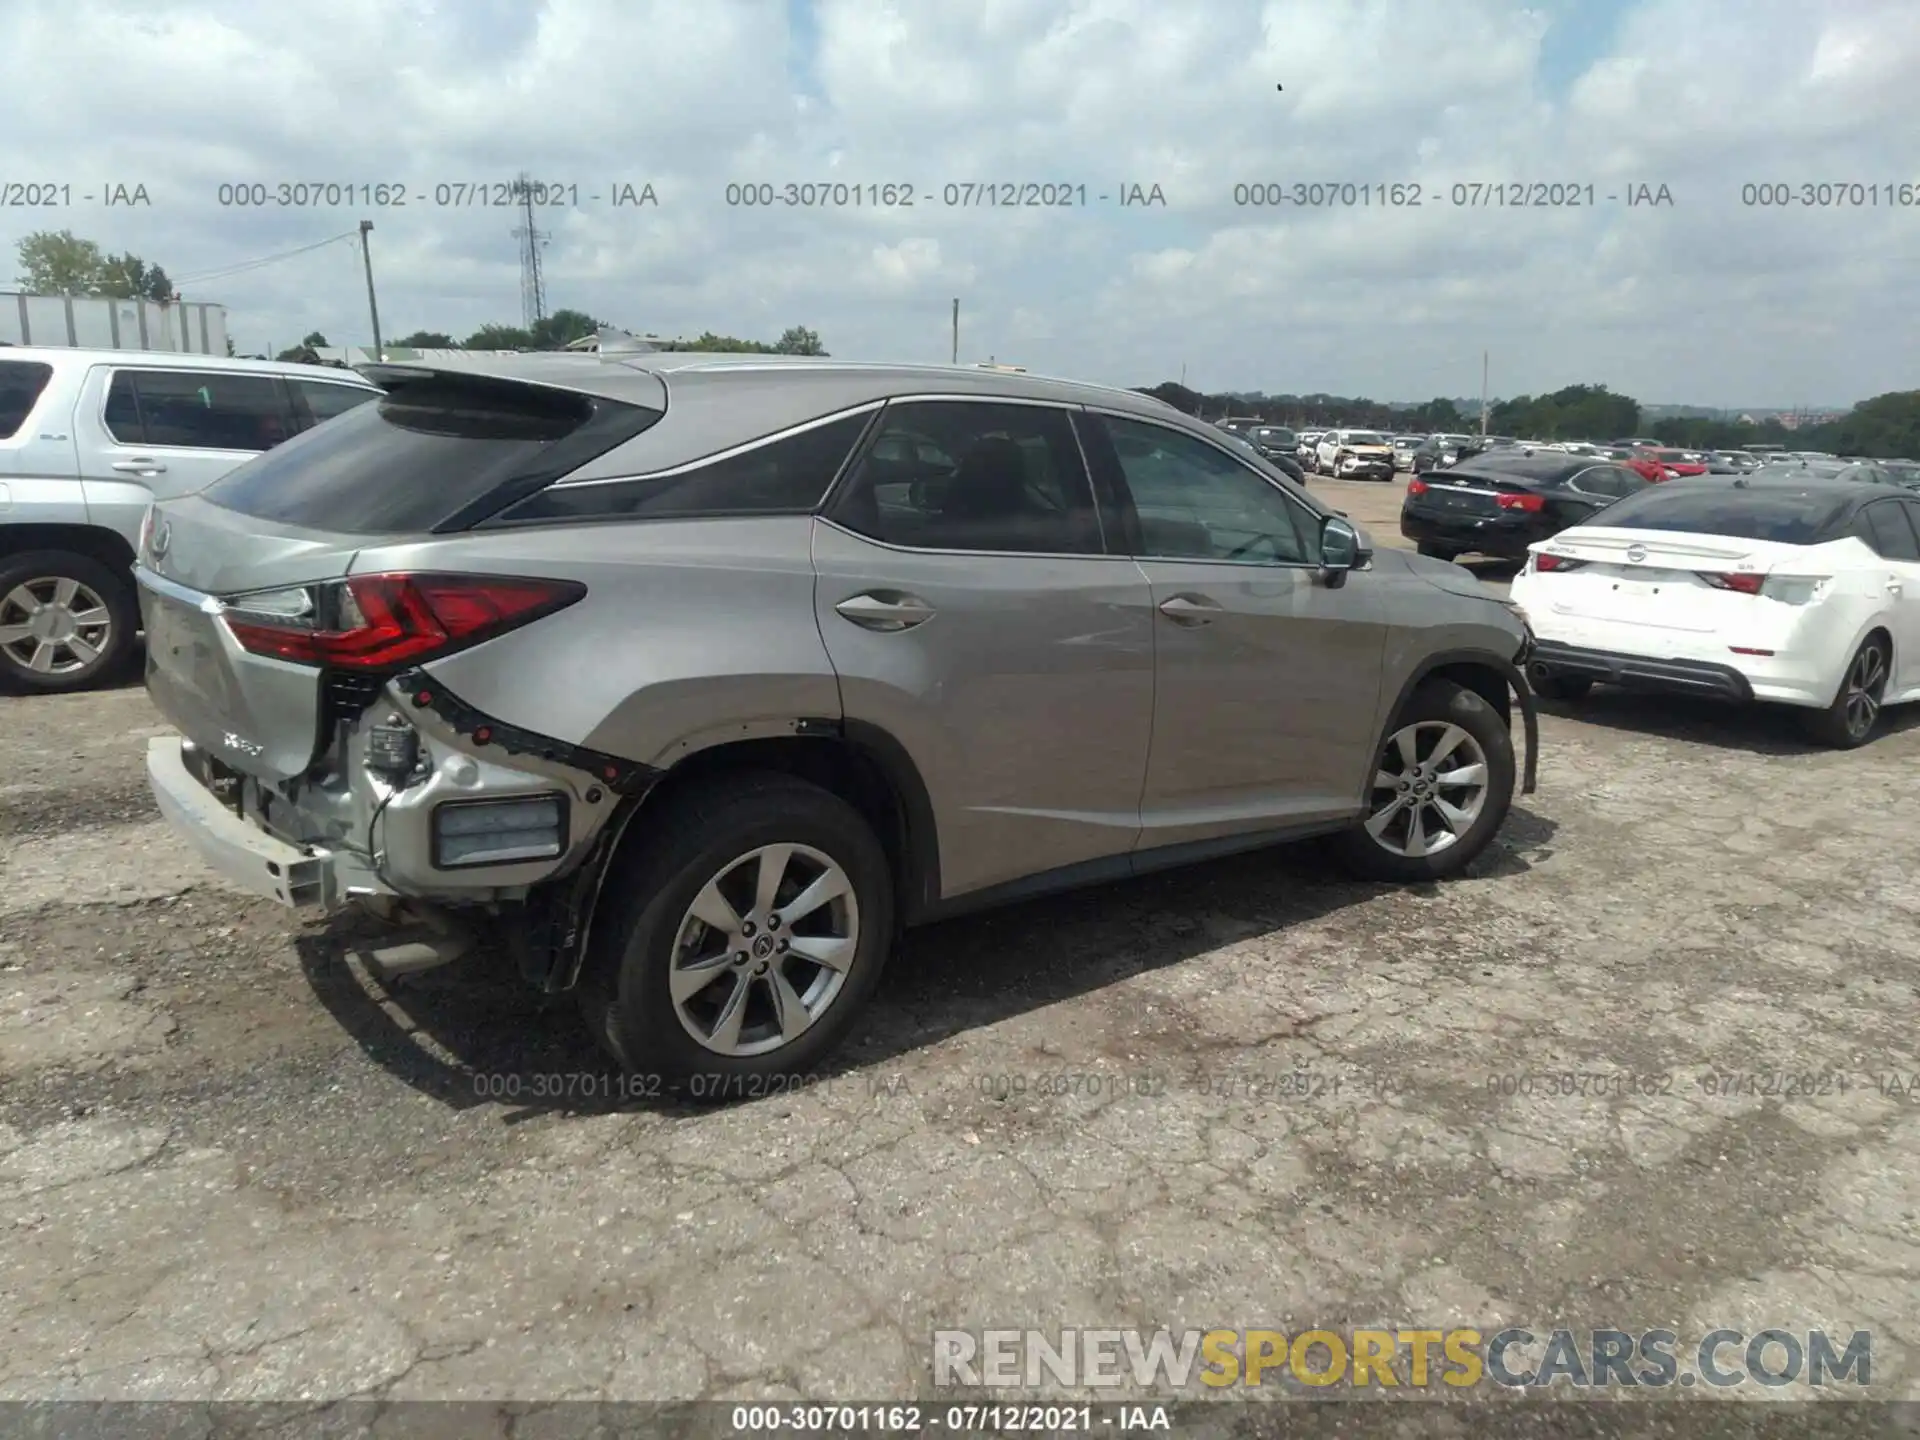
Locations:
(95, 322)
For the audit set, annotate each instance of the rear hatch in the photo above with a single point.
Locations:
(254, 641)
(1659, 579)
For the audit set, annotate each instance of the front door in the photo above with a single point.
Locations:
(1266, 680)
(971, 614)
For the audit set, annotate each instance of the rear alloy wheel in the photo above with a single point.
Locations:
(1854, 715)
(1441, 788)
(67, 622)
(750, 928)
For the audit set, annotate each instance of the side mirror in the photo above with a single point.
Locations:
(1340, 551)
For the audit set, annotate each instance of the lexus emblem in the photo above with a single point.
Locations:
(1636, 553)
(162, 538)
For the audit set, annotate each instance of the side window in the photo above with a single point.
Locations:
(973, 475)
(1888, 531)
(317, 401)
(1196, 503)
(777, 477)
(206, 410)
(1606, 480)
(122, 415)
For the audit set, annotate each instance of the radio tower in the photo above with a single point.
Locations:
(533, 295)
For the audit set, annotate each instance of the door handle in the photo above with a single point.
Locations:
(1190, 609)
(886, 610)
(1893, 587)
(142, 466)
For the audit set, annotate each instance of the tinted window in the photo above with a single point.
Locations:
(1793, 517)
(438, 451)
(1195, 503)
(321, 401)
(197, 410)
(958, 475)
(1606, 480)
(779, 477)
(1888, 531)
(21, 382)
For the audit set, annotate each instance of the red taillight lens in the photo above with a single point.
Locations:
(1416, 487)
(1532, 504)
(386, 621)
(1545, 562)
(1743, 584)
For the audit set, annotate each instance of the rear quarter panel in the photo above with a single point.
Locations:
(692, 633)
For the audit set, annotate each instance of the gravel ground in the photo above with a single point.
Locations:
(232, 1166)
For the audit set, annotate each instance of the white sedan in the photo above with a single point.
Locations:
(1802, 592)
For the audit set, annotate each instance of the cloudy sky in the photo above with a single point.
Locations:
(1705, 300)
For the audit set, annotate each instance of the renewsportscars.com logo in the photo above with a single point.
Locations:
(1400, 1358)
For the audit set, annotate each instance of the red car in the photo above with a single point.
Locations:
(1681, 462)
(1640, 462)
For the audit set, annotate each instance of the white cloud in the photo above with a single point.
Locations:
(1709, 300)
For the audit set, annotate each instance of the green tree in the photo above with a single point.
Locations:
(307, 351)
(562, 328)
(58, 262)
(798, 340)
(1886, 427)
(427, 340)
(499, 337)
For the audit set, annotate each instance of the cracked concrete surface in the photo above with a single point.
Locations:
(232, 1168)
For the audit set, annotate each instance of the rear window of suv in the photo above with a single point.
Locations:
(439, 453)
(21, 382)
(1790, 516)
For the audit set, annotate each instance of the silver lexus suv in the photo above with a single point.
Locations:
(700, 678)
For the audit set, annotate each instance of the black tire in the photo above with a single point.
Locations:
(1845, 724)
(1551, 686)
(624, 995)
(33, 572)
(1435, 552)
(1436, 704)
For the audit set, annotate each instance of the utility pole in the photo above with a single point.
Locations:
(956, 329)
(373, 307)
(1483, 394)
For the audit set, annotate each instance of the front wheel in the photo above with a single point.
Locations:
(747, 931)
(1442, 786)
(67, 622)
(1850, 721)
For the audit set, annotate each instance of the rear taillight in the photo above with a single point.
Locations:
(383, 622)
(1742, 584)
(1546, 562)
(1416, 487)
(1531, 504)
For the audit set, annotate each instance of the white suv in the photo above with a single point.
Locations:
(88, 439)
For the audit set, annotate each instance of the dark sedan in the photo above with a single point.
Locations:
(1280, 446)
(1499, 503)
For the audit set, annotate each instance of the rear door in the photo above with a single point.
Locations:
(972, 614)
(39, 465)
(1267, 682)
(1886, 528)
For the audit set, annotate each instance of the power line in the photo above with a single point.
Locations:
(246, 265)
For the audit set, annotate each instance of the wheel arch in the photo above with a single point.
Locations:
(1492, 677)
(96, 542)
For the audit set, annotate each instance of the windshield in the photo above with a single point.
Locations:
(1784, 514)
(1365, 437)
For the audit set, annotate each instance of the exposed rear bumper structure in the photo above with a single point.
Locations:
(1640, 672)
(240, 851)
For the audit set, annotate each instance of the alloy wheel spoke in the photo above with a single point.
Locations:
(42, 660)
(1450, 739)
(1384, 781)
(789, 1010)
(690, 977)
(1406, 742)
(773, 869)
(93, 615)
(21, 598)
(833, 951)
(1475, 774)
(14, 634)
(1377, 824)
(1458, 820)
(725, 1035)
(711, 908)
(64, 590)
(83, 652)
(1416, 831)
(830, 886)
